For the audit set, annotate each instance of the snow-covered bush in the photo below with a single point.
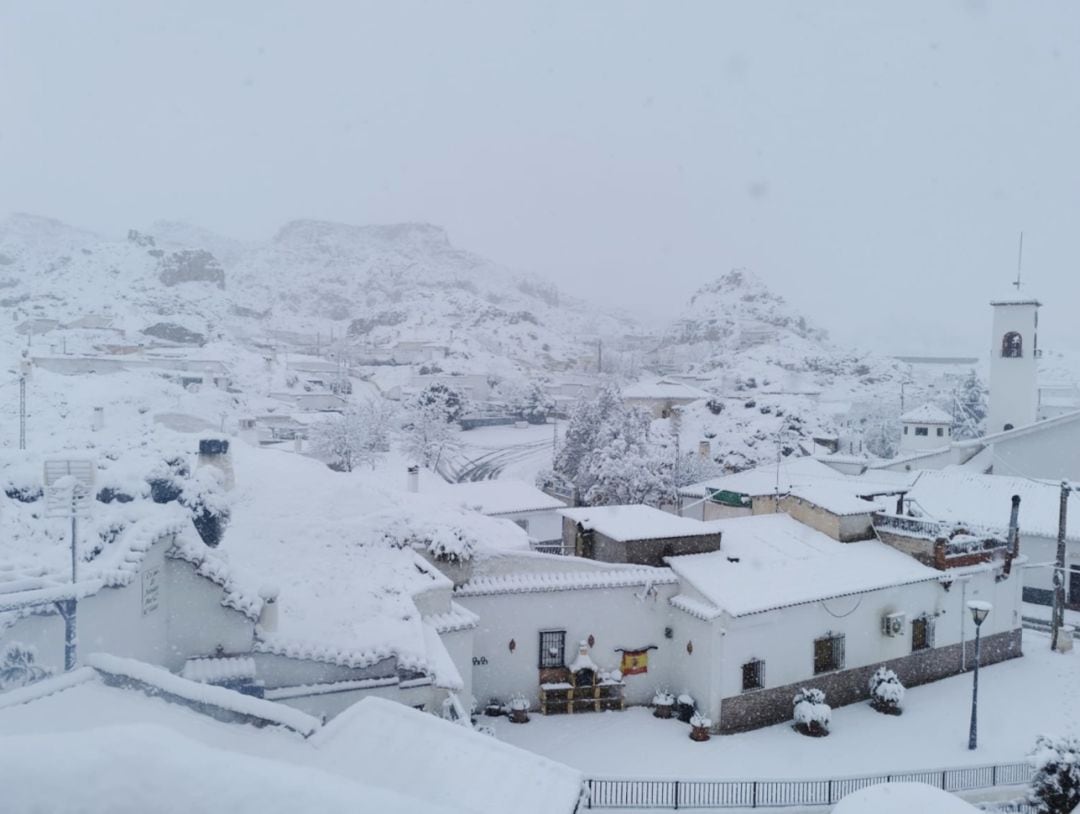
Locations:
(812, 715)
(19, 667)
(1055, 788)
(662, 698)
(442, 541)
(360, 435)
(203, 494)
(519, 702)
(700, 721)
(886, 691)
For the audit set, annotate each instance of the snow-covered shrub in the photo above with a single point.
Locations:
(1055, 788)
(886, 691)
(700, 721)
(203, 494)
(19, 667)
(360, 435)
(663, 698)
(519, 702)
(443, 541)
(812, 715)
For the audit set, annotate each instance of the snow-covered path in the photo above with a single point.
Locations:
(495, 452)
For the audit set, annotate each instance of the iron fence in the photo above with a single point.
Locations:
(611, 792)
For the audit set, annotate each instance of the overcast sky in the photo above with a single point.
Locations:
(875, 162)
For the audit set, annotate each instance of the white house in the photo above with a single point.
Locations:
(782, 605)
(532, 509)
(662, 396)
(779, 605)
(925, 427)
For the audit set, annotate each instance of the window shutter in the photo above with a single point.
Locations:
(838, 652)
(929, 632)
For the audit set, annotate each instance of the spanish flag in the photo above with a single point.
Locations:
(635, 662)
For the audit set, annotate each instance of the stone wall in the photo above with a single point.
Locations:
(759, 708)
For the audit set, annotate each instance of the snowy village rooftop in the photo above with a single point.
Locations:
(638, 522)
(955, 495)
(927, 414)
(664, 389)
(495, 497)
(772, 561)
(799, 473)
(369, 739)
(346, 549)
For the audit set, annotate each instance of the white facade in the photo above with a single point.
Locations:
(1014, 351)
(925, 428)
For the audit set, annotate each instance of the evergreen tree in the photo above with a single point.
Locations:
(1055, 788)
(970, 408)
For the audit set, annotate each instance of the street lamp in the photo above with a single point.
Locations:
(979, 611)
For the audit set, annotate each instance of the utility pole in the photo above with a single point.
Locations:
(1059, 568)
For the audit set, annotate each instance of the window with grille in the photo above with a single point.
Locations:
(940, 431)
(828, 654)
(753, 675)
(922, 633)
(922, 430)
(552, 648)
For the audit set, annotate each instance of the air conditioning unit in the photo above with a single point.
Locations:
(892, 624)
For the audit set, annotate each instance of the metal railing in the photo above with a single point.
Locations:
(674, 794)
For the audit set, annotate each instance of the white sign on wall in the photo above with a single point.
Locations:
(151, 590)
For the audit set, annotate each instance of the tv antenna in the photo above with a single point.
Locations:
(1019, 262)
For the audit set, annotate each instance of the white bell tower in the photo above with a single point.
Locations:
(1014, 364)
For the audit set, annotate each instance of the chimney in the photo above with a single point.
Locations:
(1014, 534)
(268, 616)
(99, 419)
(704, 450)
(414, 478)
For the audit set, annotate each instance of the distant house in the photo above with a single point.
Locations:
(662, 396)
(532, 509)
(925, 427)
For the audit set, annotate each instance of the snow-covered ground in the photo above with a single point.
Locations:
(504, 452)
(1018, 700)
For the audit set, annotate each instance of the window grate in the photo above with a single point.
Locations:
(552, 648)
(753, 675)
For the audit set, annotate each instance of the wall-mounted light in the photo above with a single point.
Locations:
(669, 633)
(690, 648)
(513, 645)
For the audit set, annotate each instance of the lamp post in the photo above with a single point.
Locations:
(979, 611)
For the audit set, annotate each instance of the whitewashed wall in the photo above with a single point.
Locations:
(1053, 452)
(784, 638)
(614, 616)
(542, 526)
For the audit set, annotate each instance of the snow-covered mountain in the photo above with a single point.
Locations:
(741, 334)
(367, 286)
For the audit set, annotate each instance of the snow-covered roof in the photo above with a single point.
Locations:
(1023, 430)
(764, 480)
(927, 414)
(805, 477)
(1015, 299)
(522, 582)
(836, 498)
(902, 798)
(664, 389)
(958, 496)
(416, 754)
(771, 561)
(216, 670)
(636, 522)
(341, 546)
(502, 496)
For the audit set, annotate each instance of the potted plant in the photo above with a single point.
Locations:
(519, 709)
(699, 727)
(663, 704)
(886, 691)
(685, 707)
(812, 715)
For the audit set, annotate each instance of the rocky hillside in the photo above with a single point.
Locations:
(367, 286)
